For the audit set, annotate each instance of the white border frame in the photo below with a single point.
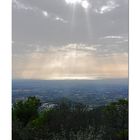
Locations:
(134, 70)
(5, 70)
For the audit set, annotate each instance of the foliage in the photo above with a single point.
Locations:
(70, 121)
(25, 111)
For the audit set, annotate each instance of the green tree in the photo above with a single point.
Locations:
(25, 111)
(116, 120)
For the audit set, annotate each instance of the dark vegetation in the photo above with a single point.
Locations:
(69, 121)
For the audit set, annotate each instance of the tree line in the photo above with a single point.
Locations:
(69, 121)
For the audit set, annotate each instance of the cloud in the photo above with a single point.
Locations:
(81, 27)
(69, 61)
(119, 41)
(19, 5)
(109, 6)
(91, 44)
(57, 18)
(83, 3)
(113, 37)
(45, 13)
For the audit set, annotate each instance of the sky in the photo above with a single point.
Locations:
(69, 39)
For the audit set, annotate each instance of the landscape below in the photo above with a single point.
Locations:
(70, 110)
(89, 92)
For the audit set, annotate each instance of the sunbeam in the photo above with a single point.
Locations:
(88, 24)
(73, 61)
(73, 1)
(84, 3)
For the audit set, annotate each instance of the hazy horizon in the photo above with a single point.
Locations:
(103, 79)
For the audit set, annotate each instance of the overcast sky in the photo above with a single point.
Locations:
(70, 39)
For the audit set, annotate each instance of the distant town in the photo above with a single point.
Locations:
(89, 92)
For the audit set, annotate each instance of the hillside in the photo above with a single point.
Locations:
(69, 121)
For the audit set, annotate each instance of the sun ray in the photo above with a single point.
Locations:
(88, 24)
(73, 1)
